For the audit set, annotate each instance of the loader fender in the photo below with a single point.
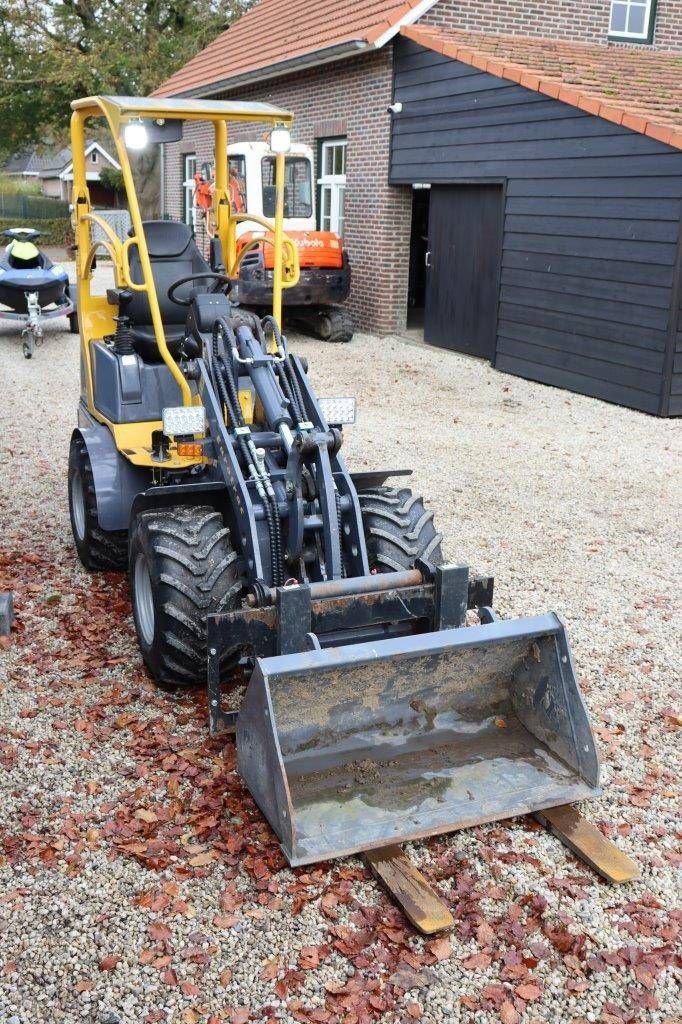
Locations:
(117, 482)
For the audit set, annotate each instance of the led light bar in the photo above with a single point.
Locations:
(338, 411)
(183, 420)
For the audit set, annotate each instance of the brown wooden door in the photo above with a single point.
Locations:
(462, 285)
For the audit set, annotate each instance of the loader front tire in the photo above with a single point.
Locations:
(183, 567)
(398, 529)
(99, 550)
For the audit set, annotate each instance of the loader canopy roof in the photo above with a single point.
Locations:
(208, 110)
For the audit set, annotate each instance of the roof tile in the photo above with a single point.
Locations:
(272, 33)
(638, 88)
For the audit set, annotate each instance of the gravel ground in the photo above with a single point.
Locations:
(138, 880)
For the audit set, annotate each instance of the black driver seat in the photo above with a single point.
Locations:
(173, 254)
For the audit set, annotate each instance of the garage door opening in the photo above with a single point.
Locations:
(419, 244)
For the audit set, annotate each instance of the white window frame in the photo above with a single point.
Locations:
(646, 35)
(93, 156)
(189, 161)
(333, 185)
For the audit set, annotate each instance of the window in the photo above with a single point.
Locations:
(332, 182)
(93, 156)
(633, 20)
(237, 184)
(188, 186)
(298, 187)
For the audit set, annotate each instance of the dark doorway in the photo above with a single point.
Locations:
(463, 268)
(419, 243)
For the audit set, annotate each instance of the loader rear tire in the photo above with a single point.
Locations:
(183, 567)
(99, 550)
(398, 529)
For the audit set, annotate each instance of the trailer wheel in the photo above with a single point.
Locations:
(99, 550)
(398, 529)
(183, 567)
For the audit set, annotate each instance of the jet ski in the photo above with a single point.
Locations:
(33, 288)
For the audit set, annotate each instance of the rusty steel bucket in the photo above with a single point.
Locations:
(357, 747)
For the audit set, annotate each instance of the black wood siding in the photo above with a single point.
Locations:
(591, 228)
(675, 408)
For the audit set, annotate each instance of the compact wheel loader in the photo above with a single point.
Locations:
(205, 463)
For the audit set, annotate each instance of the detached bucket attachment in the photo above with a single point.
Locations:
(353, 748)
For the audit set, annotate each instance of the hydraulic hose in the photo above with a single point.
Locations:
(288, 393)
(339, 521)
(221, 330)
(271, 514)
(295, 387)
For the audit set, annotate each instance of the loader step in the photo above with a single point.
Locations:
(587, 843)
(410, 890)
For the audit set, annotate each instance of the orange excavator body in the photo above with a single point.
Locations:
(315, 248)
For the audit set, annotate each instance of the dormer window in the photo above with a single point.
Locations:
(632, 20)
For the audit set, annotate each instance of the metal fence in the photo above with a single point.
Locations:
(32, 207)
(118, 220)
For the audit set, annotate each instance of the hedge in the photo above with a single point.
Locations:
(54, 232)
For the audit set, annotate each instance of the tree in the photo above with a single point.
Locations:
(54, 50)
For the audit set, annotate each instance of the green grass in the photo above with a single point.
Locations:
(19, 186)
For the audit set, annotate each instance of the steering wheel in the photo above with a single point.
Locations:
(218, 279)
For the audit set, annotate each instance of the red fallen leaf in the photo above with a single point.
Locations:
(226, 977)
(84, 986)
(441, 948)
(335, 988)
(202, 859)
(514, 972)
(161, 962)
(224, 921)
(477, 962)
(643, 975)
(169, 978)
(309, 958)
(108, 963)
(496, 994)
(241, 1015)
(159, 931)
(270, 970)
(328, 905)
(230, 900)
(529, 991)
(190, 1016)
(188, 988)
(144, 815)
(485, 936)
(146, 956)
(561, 938)
(508, 1014)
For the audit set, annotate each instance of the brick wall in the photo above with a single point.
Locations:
(587, 21)
(347, 98)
